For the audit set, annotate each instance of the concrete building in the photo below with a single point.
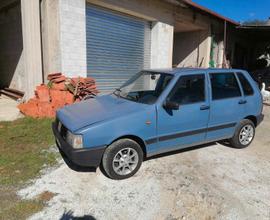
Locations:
(109, 40)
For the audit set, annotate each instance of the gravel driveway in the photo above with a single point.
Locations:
(211, 182)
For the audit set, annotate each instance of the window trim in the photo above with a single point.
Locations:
(242, 88)
(210, 85)
(205, 88)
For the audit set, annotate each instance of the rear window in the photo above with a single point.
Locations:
(247, 88)
(224, 85)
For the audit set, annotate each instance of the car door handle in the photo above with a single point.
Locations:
(205, 107)
(241, 102)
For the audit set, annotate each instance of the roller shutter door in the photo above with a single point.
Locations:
(118, 46)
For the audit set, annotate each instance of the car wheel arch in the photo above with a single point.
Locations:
(135, 138)
(253, 119)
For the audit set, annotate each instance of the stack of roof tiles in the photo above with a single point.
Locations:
(60, 91)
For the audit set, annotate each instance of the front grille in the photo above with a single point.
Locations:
(56, 122)
(62, 129)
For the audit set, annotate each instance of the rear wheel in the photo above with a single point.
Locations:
(244, 134)
(122, 159)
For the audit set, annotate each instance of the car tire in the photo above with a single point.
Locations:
(122, 159)
(244, 134)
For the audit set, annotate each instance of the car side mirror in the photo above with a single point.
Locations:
(171, 105)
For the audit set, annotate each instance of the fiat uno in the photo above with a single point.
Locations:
(158, 111)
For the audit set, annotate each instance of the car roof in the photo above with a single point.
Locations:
(176, 71)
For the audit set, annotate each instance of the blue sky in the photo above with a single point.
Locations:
(239, 10)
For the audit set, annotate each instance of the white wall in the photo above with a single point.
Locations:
(72, 37)
(161, 45)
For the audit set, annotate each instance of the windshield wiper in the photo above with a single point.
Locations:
(126, 96)
(117, 90)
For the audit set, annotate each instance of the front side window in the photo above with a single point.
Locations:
(224, 85)
(247, 88)
(188, 90)
(145, 87)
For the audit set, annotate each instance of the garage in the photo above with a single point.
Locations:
(118, 46)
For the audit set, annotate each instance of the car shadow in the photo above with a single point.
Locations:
(78, 168)
(69, 216)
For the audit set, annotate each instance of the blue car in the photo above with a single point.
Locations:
(158, 111)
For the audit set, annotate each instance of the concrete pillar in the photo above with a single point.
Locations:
(161, 45)
(73, 37)
(31, 45)
(50, 29)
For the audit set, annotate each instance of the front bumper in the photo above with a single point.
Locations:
(86, 157)
(260, 119)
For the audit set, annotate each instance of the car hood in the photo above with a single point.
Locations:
(91, 111)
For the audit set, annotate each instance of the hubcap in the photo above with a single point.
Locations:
(246, 135)
(125, 161)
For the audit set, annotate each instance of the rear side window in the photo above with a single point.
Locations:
(247, 88)
(224, 85)
(189, 89)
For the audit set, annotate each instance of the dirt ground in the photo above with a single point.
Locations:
(211, 182)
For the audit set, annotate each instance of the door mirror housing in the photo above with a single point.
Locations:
(171, 105)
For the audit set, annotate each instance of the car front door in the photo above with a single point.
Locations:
(227, 105)
(187, 125)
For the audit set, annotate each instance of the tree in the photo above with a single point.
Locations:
(255, 22)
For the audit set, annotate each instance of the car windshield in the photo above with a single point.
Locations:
(145, 87)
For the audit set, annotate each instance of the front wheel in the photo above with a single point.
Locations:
(244, 134)
(122, 159)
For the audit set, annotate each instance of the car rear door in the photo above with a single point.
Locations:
(251, 93)
(227, 105)
(186, 126)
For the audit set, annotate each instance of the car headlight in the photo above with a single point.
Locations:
(75, 140)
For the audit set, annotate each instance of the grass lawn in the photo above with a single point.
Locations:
(24, 145)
